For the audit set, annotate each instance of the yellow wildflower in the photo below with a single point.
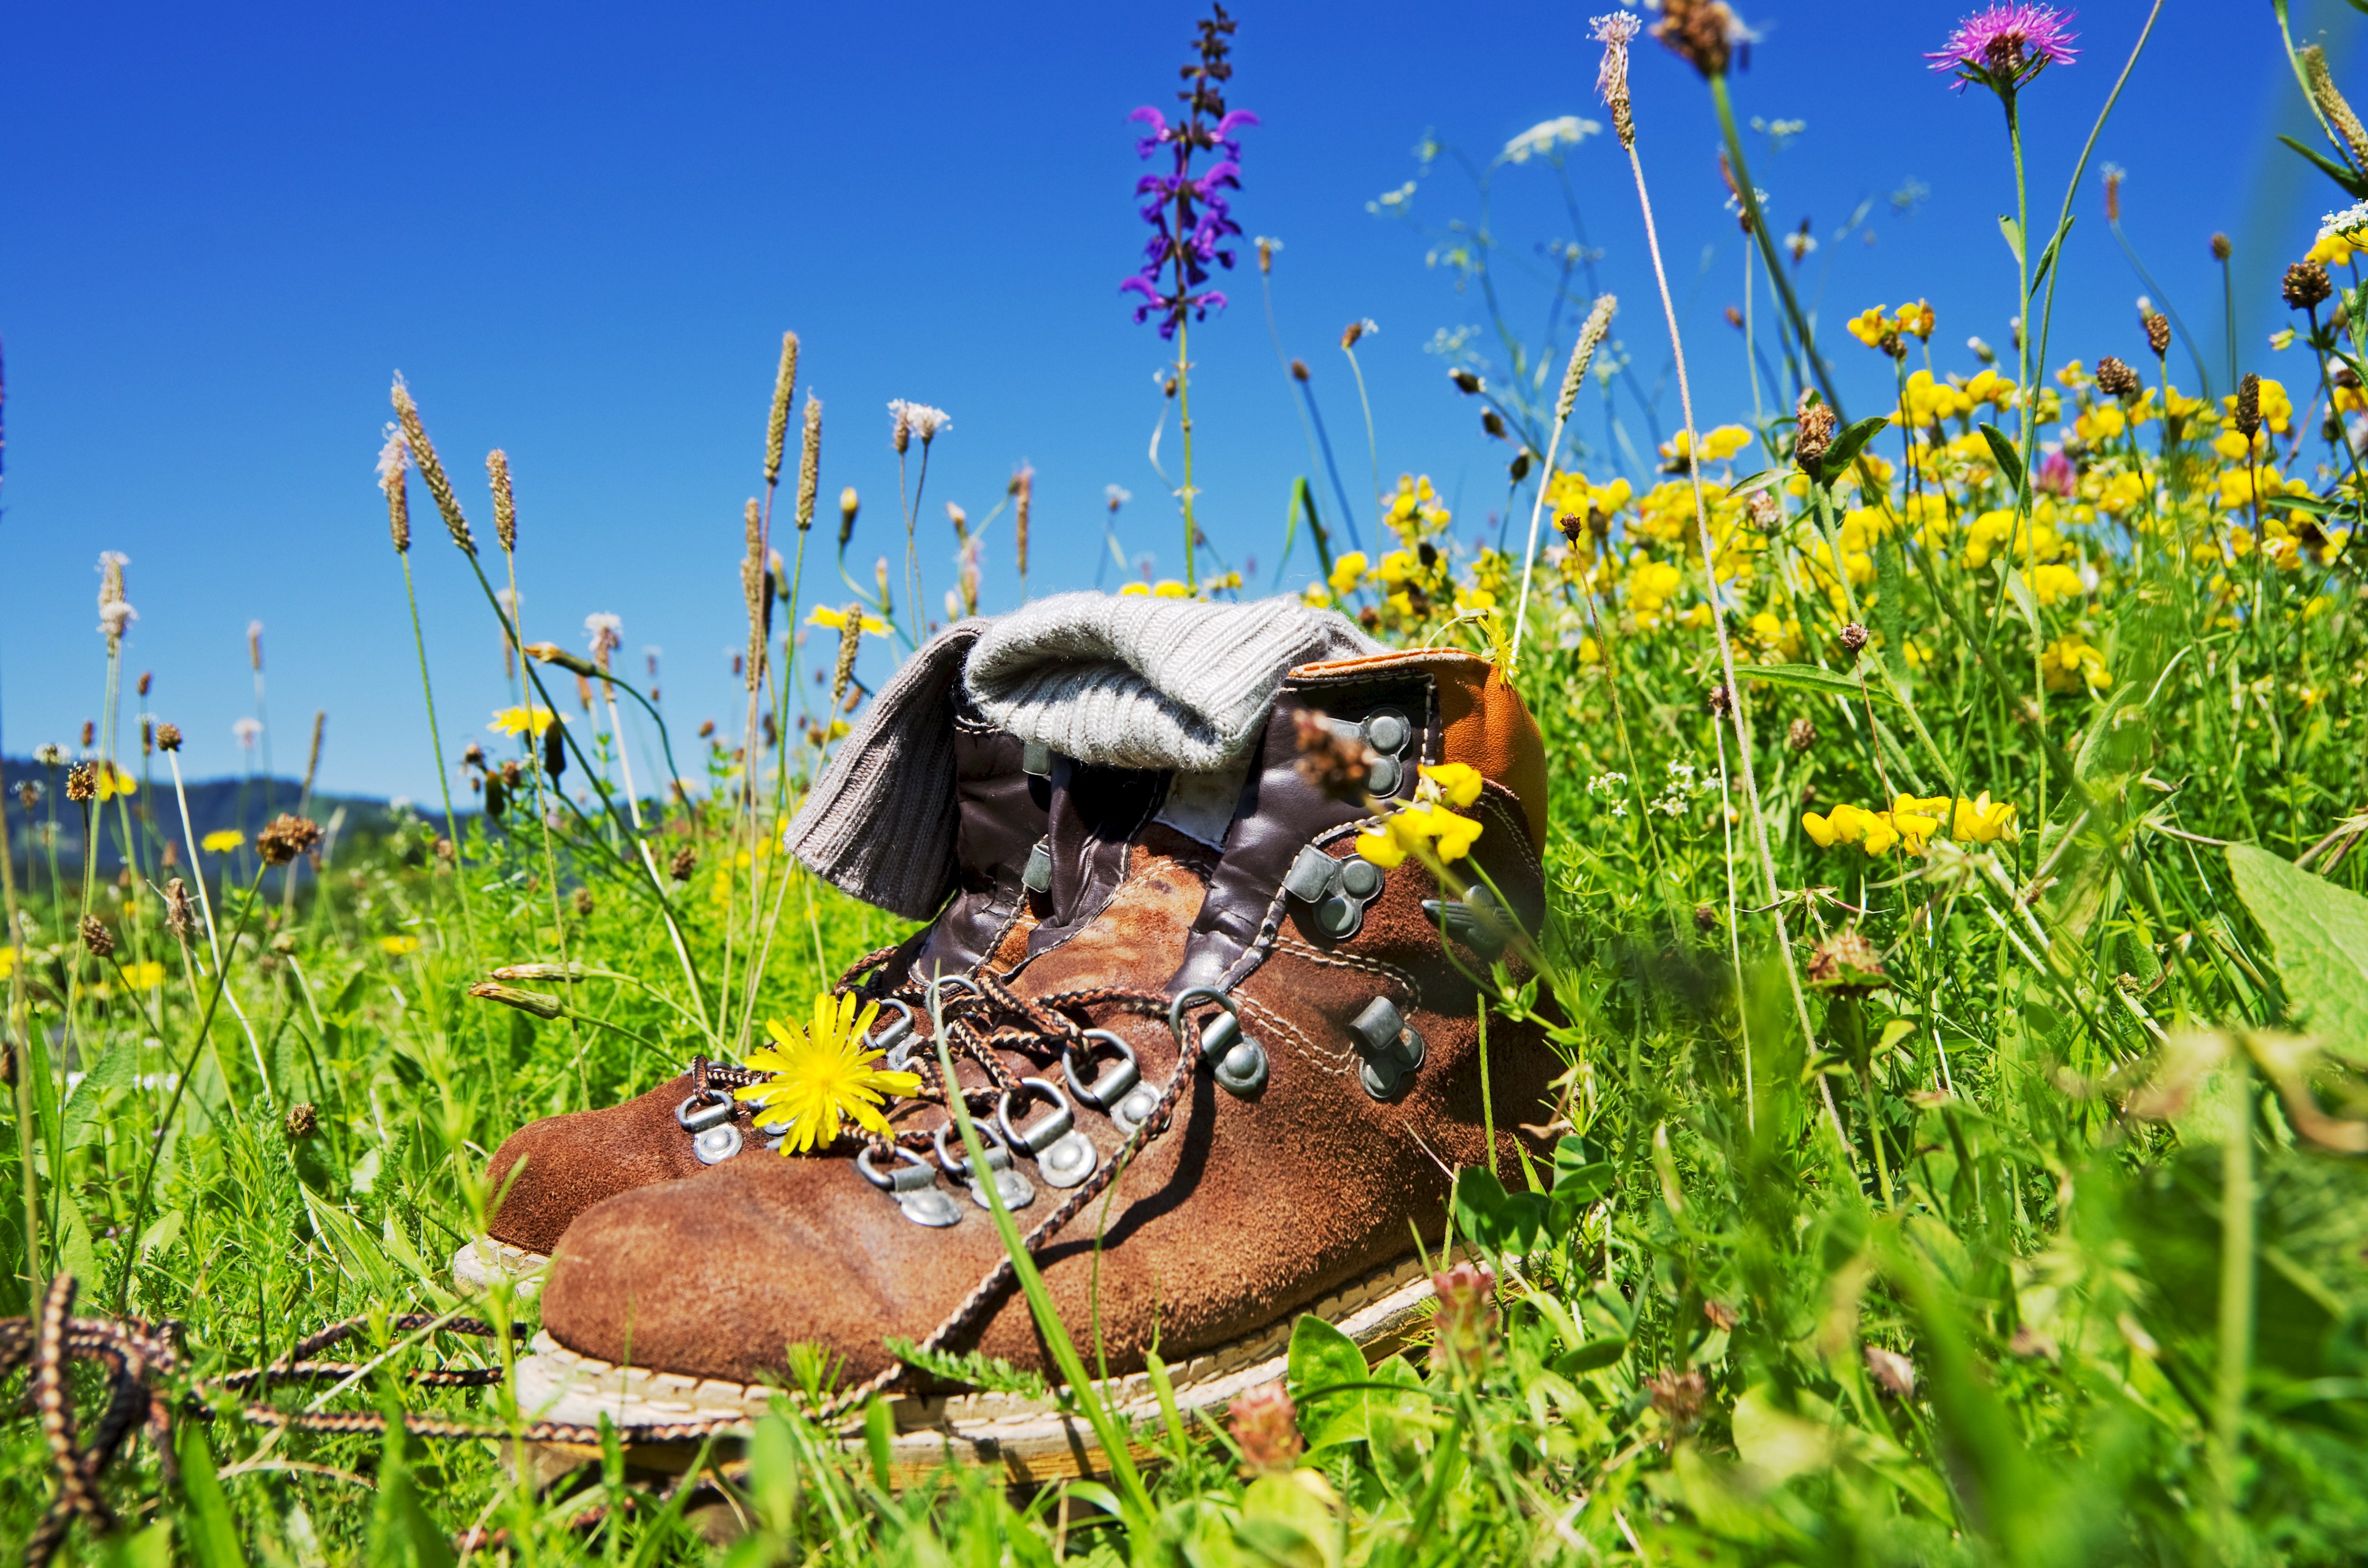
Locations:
(1169, 589)
(222, 841)
(146, 975)
(1990, 387)
(1456, 783)
(1917, 318)
(1872, 326)
(836, 621)
(522, 721)
(1347, 571)
(2071, 663)
(398, 947)
(2052, 583)
(1982, 821)
(821, 1076)
(1717, 444)
(1411, 828)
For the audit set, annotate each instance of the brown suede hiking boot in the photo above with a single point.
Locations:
(1309, 1045)
(547, 1173)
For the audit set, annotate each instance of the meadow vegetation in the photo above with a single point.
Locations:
(1957, 947)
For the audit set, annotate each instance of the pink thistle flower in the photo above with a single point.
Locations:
(2007, 45)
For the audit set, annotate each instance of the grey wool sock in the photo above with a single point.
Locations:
(1133, 681)
(1128, 681)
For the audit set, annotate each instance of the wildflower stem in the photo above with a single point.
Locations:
(180, 1086)
(19, 1029)
(1736, 712)
(443, 775)
(1751, 198)
(1372, 447)
(2236, 1316)
(1184, 431)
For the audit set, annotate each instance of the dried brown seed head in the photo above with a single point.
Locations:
(1299, 371)
(2115, 378)
(1801, 737)
(97, 938)
(147, 678)
(2157, 332)
(685, 861)
(2248, 417)
(168, 737)
(583, 902)
(810, 463)
(304, 1120)
(2307, 286)
(1721, 700)
(1847, 964)
(1705, 918)
(1812, 430)
(1720, 1314)
(1466, 381)
(1679, 1397)
(2221, 249)
(82, 782)
(1853, 637)
(431, 469)
(180, 909)
(286, 838)
(1701, 32)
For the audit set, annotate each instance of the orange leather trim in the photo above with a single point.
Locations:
(1487, 726)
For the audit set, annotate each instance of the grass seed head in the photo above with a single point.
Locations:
(2248, 418)
(2157, 332)
(685, 861)
(82, 782)
(394, 464)
(776, 427)
(1582, 353)
(2331, 104)
(431, 469)
(1023, 494)
(810, 463)
(497, 470)
(1802, 736)
(851, 634)
(97, 939)
(2115, 378)
(168, 737)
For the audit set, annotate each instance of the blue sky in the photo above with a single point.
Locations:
(580, 231)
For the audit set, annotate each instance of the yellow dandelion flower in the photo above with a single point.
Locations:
(222, 841)
(522, 721)
(836, 621)
(1169, 589)
(396, 947)
(822, 1074)
(146, 975)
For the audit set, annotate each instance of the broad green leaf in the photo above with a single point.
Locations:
(1809, 677)
(1847, 446)
(1776, 1443)
(1500, 1221)
(214, 1535)
(1591, 1356)
(2009, 461)
(2320, 932)
(1579, 1183)
(1322, 1358)
(115, 1069)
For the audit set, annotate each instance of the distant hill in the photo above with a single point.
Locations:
(215, 804)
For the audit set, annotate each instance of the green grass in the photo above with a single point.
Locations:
(2044, 1243)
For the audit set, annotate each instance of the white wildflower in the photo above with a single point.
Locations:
(2351, 218)
(1541, 139)
(248, 732)
(920, 418)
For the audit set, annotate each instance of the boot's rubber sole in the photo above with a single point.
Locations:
(1028, 1438)
(484, 1262)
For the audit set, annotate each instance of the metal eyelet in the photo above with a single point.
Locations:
(895, 1036)
(1110, 1085)
(1392, 1049)
(1240, 1060)
(1387, 732)
(714, 1113)
(1015, 1188)
(1036, 759)
(717, 1144)
(1129, 1114)
(958, 1166)
(1065, 1156)
(912, 1184)
(1036, 875)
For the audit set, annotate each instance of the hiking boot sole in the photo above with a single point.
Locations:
(484, 1262)
(1028, 1438)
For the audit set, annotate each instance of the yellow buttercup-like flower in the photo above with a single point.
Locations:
(1347, 571)
(222, 841)
(1456, 783)
(822, 1074)
(836, 621)
(522, 721)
